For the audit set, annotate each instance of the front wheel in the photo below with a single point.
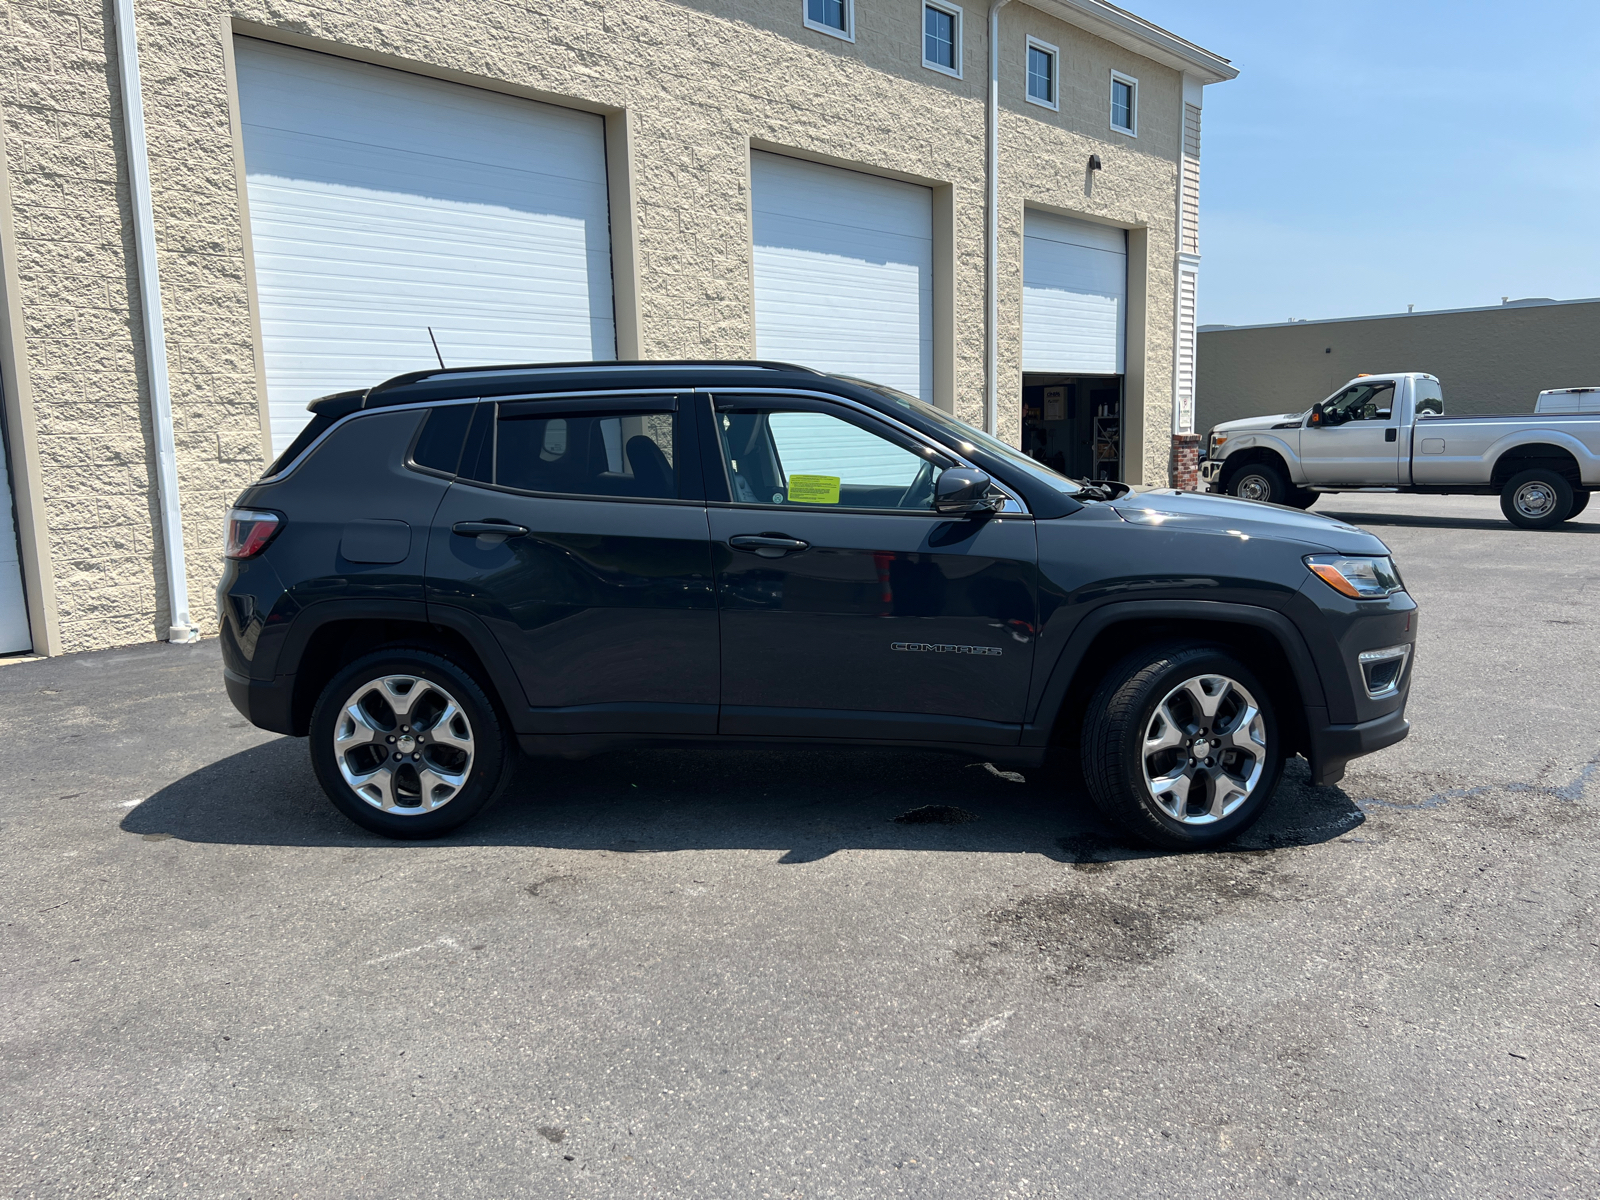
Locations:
(1181, 748)
(1537, 498)
(1580, 501)
(1267, 483)
(406, 744)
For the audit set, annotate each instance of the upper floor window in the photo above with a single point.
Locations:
(1043, 63)
(1124, 104)
(941, 37)
(832, 16)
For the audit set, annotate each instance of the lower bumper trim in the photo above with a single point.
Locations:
(265, 703)
(1333, 746)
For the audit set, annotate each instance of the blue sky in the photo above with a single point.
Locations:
(1374, 155)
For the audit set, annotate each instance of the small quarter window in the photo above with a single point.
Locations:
(1124, 104)
(438, 446)
(1043, 64)
(941, 38)
(836, 17)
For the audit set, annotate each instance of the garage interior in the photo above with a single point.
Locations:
(1073, 423)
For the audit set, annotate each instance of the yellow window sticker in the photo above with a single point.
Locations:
(813, 489)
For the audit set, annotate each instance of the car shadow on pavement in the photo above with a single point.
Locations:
(808, 803)
(1418, 521)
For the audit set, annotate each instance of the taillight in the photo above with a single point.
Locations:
(250, 531)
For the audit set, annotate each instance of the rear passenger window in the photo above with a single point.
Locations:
(586, 453)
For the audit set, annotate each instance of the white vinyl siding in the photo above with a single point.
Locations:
(1074, 295)
(843, 265)
(1188, 282)
(382, 203)
(1191, 179)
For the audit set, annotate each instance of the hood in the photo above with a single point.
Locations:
(1277, 421)
(1203, 512)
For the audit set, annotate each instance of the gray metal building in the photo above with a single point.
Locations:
(1489, 360)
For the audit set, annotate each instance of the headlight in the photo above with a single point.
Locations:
(1216, 444)
(1359, 578)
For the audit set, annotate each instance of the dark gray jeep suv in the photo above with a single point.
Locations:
(458, 564)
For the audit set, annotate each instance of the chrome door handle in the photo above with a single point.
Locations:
(767, 545)
(481, 528)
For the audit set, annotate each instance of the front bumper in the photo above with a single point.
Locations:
(1210, 471)
(1333, 746)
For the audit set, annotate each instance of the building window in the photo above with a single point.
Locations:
(1124, 104)
(1043, 60)
(941, 38)
(832, 16)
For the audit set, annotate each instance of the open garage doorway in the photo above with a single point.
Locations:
(1073, 423)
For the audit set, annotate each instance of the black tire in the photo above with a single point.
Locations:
(1580, 501)
(1124, 713)
(436, 752)
(1262, 481)
(1537, 498)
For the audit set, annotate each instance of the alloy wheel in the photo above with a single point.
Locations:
(403, 744)
(1204, 750)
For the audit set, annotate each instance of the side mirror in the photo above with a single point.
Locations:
(1316, 416)
(964, 490)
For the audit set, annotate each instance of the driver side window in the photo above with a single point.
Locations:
(802, 457)
(1364, 402)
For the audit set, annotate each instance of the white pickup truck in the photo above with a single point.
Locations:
(1389, 432)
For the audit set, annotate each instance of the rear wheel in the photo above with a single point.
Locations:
(1537, 498)
(406, 744)
(1181, 748)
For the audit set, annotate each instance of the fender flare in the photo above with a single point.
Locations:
(1262, 439)
(305, 624)
(1581, 454)
(1041, 719)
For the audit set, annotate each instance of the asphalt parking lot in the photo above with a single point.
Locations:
(688, 974)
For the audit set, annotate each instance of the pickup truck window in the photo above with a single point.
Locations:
(1362, 402)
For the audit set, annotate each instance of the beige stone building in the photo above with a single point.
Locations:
(307, 197)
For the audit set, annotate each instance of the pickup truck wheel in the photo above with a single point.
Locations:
(1537, 498)
(1580, 501)
(406, 744)
(1181, 748)
(1260, 481)
(1301, 498)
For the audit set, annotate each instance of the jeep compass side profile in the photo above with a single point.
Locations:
(456, 566)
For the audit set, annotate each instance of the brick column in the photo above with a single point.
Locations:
(1186, 462)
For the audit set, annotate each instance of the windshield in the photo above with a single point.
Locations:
(960, 432)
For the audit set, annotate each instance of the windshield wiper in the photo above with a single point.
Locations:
(1102, 489)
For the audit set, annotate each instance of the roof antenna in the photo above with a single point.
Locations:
(436, 353)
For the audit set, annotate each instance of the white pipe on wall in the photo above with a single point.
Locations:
(180, 628)
(991, 252)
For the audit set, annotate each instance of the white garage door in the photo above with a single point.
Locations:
(383, 203)
(1074, 295)
(844, 272)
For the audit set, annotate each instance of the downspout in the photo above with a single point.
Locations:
(991, 253)
(180, 628)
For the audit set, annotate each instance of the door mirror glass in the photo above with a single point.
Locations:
(964, 490)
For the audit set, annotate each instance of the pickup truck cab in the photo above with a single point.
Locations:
(1390, 432)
